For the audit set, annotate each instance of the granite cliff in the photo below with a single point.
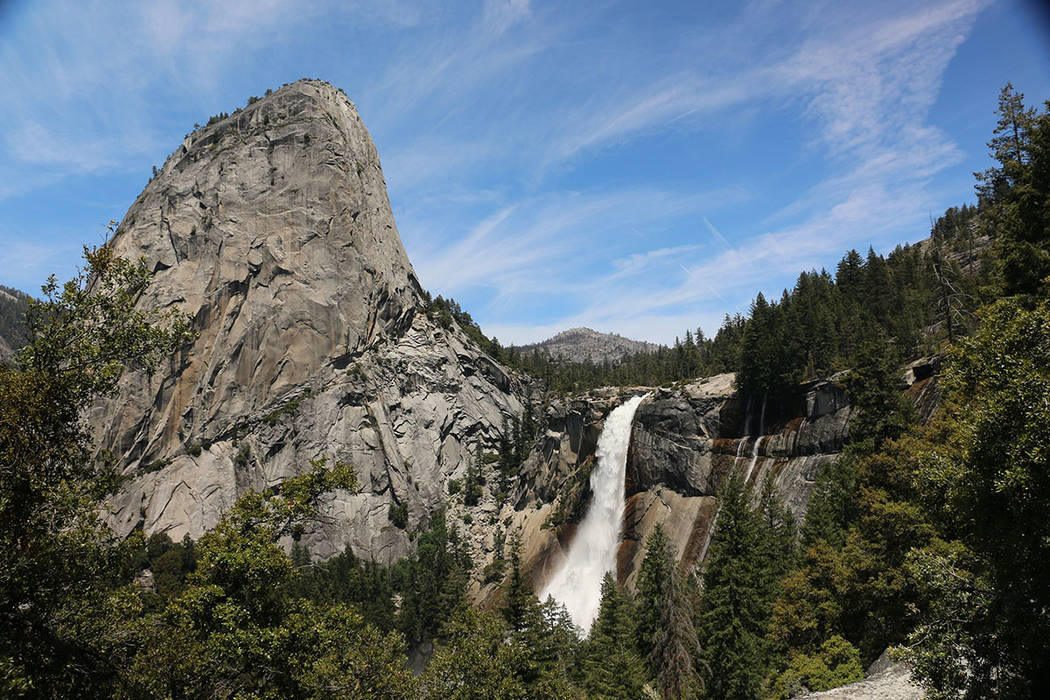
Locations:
(272, 229)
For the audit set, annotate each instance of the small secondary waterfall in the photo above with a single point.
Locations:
(758, 442)
(578, 583)
(736, 459)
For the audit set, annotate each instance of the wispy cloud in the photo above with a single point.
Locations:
(26, 264)
(558, 244)
(551, 164)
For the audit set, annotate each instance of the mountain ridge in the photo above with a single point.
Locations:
(584, 344)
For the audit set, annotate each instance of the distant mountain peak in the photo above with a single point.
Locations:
(586, 344)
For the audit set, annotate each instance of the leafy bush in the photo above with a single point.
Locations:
(494, 570)
(837, 663)
(398, 515)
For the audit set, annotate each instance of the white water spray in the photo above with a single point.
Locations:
(578, 583)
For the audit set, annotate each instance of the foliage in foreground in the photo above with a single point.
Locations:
(935, 539)
(56, 558)
(932, 538)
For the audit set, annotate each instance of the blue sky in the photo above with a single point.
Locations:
(639, 168)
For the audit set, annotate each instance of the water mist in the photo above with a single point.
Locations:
(578, 583)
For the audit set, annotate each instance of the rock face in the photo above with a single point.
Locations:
(584, 344)
(272, 230)
(685, 442)
(7, 353)
(12, 321)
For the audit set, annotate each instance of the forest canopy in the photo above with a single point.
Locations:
(929, 538)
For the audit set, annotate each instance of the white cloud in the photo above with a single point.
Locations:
(480, 115)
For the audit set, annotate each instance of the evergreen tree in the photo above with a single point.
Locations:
(434, 580)
(545, 633)
(1018, 194)
(665, 631)
(734, 613)
(472, 482)
(881, 412)
(832, 508)
(778, 539)
(520, 604)
(506, 457)
(611, 664)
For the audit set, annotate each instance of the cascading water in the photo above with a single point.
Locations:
(578, 583)
(758, 443)
(736, 459)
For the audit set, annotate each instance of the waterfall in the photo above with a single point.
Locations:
(736, 459)
(578, 583)
(758, 443)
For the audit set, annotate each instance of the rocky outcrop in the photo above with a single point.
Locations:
(12, 322)
(272, 230)
(920, 384)
(885, 679)
(7, 353)
(685, 442)
(586, 345)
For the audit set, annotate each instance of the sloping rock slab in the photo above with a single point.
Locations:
(892, 683)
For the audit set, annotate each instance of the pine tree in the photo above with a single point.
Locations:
(665, 631)
(472, 482)
(506, 457)
(779, 534)
(544, 632)
(734, 613)
(1018, 192)
(520, 601)
(610, 663)
(832, 507)
(435, 580)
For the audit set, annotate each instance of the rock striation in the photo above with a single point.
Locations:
(685, 442)
(272, 229)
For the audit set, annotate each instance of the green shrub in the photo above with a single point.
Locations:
(493, 571)
(836, 664)
(154, 466)
(398, 515)
(243, 456)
